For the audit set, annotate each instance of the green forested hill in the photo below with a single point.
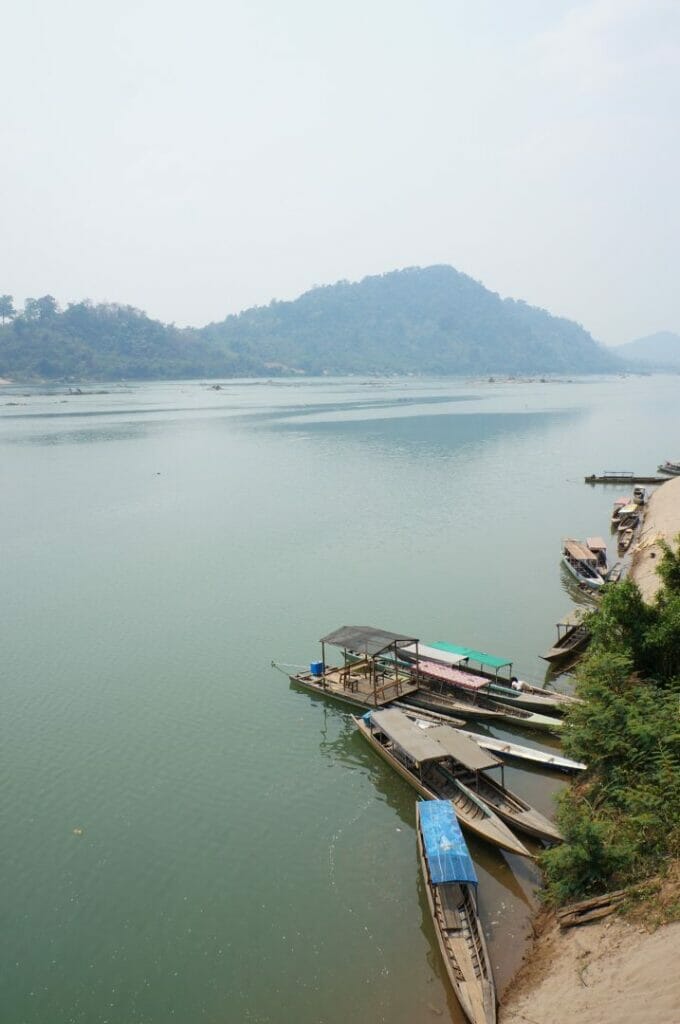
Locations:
(433, 320)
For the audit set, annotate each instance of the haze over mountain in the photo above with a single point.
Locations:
(432, 321)
(660, 350)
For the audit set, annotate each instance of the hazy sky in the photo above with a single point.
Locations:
(193, 159)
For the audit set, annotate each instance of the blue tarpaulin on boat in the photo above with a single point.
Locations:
(446, 851)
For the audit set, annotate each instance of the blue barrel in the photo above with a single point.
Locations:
(316, 668)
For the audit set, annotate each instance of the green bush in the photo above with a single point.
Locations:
(622, 821)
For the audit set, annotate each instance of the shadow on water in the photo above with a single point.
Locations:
(439, 434)
(276, 416)
(114, 432)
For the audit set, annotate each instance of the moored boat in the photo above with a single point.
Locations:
(371, 674)
(616, 510)
(533, 757)
(625, 538)
(515, 693)
(439, 680)
(469, 766)
(581, 563)
(572, 641)
(451, 886)
(599, 549)
(423, 762)
(671, 468)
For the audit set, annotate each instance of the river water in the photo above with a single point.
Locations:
(184, 836)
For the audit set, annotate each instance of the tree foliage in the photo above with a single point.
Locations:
(433, 320)
(623, 820)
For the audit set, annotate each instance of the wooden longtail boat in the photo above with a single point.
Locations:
(469, 769)
(581, 563)
(516, 694)
(626, 538)
(441, 683)
(451, 886)
(533, 757)
(575, 638)
(425, 764)
(516, 752)
(510, 690)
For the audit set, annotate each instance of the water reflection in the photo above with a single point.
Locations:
(113, 432)
(435, 435)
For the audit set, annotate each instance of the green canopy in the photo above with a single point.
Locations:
(479, 656)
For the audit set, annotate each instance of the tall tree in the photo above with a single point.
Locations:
(7, 310)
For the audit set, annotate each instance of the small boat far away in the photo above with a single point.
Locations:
(451, 886)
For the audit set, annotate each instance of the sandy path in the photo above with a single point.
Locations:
(662, 521)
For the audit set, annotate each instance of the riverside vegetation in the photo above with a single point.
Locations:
(431, 320)
(622, 821)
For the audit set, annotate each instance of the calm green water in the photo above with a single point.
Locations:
(244, 856)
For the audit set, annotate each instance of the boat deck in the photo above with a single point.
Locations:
(358, 687)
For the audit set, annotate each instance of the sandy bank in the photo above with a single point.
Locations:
(607, 972)
(662, 522)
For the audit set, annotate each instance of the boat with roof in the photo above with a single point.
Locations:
(512, 692)
(372, 673)
(425, 759)
(670, 468)
(581, 563)
(451, 886)
(470, 770)
(616, 510)
(530, 757)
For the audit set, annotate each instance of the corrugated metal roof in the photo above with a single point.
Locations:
(578, 551)
(415, 742)
(469, 652)
(596, 543)
(433, 654)
(446, 852)
(463, 749)
(365, 639)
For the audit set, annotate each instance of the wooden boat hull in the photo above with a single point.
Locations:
(530, 700)
(462, 947)
(483, 709)
(528, 755)
(472, 813)
(514, 811)
(593, 583)
(572, 642)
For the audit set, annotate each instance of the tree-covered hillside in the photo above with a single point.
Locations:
(105, 342)
(433, 320)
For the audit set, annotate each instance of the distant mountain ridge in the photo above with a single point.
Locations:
(659, 350)
(432, 320)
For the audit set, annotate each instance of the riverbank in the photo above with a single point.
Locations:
(621, 968)
(662, 522)
(606, 972)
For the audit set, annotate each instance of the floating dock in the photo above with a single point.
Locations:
(624, 478)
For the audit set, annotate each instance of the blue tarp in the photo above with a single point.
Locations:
(445, 849)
